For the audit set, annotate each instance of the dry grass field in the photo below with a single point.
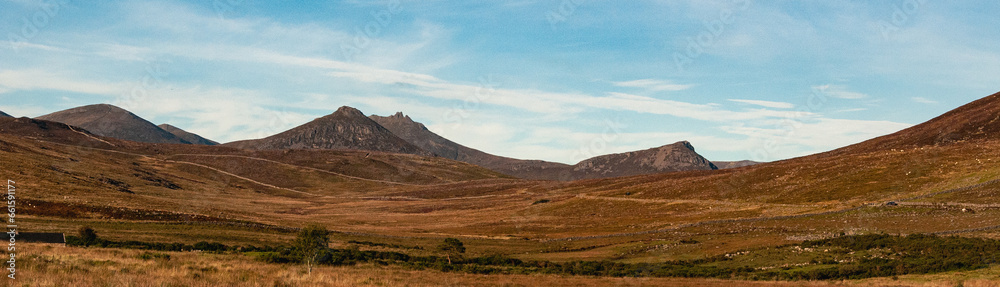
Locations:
(49, 265)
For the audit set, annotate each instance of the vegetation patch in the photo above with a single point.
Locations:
(841, 258)
(153, 256)
(386, 245)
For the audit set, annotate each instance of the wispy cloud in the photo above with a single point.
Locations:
(923, 100)
(839, 91)
(542, 101)
(851, 110)
(39, 79)
(806, 136)
(768, 104)
(653, 85)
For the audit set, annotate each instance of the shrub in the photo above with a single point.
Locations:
(153, 255)
(273, 257)
(88, 236)
(452, 246)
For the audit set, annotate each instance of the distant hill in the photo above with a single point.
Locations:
(347, 128)
(5, 115)
(187, 136)
(679, 156)
(675, 157)
(111, 121)
(734, 164)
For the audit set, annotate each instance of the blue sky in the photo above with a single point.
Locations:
(558, 80)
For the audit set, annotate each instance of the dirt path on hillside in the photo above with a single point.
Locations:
(299, 166)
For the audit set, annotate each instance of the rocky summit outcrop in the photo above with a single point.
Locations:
(347, 128)
(679, 156)
(418, 134)
(111, 121)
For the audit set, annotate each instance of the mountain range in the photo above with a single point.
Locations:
(349, 129)
(675, 157)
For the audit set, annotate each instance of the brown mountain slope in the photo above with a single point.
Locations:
(418, 134)
(185, 135)
(5, 115)
(676, 157)
(679, 156)
(53, 131)
(111, 121)
(347, 128)
(977, 120)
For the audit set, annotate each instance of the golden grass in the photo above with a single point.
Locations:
(49, 265)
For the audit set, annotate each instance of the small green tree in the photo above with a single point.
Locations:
(452, 246)
(311, 241)
(87, 235)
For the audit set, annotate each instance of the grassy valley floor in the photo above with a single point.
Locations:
(53, 265)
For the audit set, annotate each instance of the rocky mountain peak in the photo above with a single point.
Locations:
(349, 111)
(347, 128)
(684, 144)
